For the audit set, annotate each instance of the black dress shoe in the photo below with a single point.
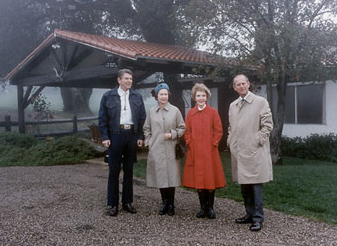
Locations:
(244, 220)
(112, 211)
(210, 213)
(256, 226)
(202, 212)
(163, 208)
(129, 208)
(170, 210)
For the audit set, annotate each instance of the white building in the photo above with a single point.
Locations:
(310, 108)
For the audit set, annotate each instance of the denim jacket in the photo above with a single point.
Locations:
(110, 113)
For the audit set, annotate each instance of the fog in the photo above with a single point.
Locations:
(8, 99)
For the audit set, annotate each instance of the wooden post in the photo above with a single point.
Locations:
(226, 95)
(21, 113)
(75, 129)
(7, 123)
(176, 91)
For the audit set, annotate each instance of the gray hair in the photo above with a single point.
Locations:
(240, 75)
(124, 71)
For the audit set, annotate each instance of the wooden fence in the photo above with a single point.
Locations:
(8, 124)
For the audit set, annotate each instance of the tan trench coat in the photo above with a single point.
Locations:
(250, 125)
(163, 169)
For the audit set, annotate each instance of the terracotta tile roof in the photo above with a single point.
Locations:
(126, 48)
(136, 49)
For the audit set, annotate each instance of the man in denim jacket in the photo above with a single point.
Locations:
(121, 119)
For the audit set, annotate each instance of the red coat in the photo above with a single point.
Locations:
(203, 167)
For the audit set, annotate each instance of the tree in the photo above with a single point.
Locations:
(285, 40)
(157, 21)
(20, 28)
(79, 16)
(160, 23)
(36, 20)
(150, 20)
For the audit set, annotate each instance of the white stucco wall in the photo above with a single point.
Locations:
(330, 116)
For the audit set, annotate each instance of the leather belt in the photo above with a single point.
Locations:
(126, 126)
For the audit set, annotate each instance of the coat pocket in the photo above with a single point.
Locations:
(111, 108)
(136, 103)
(111, 105)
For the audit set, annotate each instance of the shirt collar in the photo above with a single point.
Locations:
(122, 92)
(240, 98)
(166, 107)
(247, 98)
(203, 107)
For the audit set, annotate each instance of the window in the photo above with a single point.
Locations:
(304, 104)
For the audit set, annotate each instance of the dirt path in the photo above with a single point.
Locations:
(64, 205)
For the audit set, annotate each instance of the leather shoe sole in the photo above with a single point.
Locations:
(129, 208)
(244, 220)
(256, 226)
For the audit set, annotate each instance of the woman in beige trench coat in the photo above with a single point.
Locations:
(164, 125)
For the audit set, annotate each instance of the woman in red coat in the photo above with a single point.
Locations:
(203, 168)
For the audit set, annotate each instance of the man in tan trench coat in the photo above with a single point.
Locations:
(250, 124)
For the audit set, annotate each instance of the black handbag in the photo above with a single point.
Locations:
(180, 149)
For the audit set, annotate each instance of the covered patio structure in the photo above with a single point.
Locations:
(72, 59)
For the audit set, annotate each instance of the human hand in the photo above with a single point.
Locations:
(106, 143)
(167, 136)
(140, 143)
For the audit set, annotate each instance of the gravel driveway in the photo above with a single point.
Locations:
(64, 205)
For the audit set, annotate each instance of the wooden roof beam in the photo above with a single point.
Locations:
(66, 77)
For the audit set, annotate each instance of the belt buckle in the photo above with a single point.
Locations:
(127, 127)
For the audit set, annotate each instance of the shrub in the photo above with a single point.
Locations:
(65, 150)
(19, 149)
(14, 139)
(315, 146)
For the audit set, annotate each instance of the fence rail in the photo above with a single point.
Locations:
(8, 124)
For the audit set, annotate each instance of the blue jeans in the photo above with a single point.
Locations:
(122, 150)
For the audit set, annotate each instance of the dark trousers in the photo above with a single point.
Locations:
(122, 150)
(253, 198)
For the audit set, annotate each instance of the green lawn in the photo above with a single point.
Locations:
(300, 187)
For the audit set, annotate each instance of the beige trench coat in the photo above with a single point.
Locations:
(163, 169)
(250, 125)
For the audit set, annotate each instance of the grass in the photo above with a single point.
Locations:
(306, 188)
(300, 187)
(139, 169)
